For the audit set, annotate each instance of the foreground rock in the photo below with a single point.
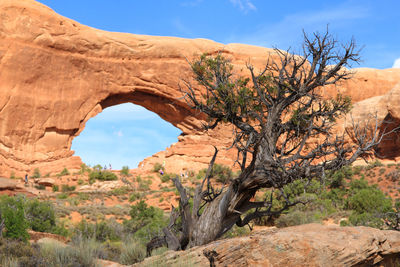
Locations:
(72, 72)
(305, 245)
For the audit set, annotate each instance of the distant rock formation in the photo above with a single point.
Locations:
(56, 74)
(308, 245)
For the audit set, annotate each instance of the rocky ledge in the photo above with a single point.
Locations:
(304, 245)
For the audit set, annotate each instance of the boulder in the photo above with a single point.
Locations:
(46, 181)
(7, 184)
(305, 245)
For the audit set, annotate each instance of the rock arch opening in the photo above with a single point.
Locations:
(123, 134)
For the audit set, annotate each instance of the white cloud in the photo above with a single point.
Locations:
(244, 5)
(288, 30)
(181, 27)
(396, 63)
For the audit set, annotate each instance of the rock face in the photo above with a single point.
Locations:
(56, 74)
(306, 245)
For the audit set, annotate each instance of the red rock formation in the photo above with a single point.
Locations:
(56, 74)
(308, 245)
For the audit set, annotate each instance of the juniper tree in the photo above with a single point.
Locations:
(283, 131)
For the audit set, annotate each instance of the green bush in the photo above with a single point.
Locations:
(223, 174)
(12, 210)
(135, 196)
(55, 188)
(132, 252)
(62, 196)
(157, 167)
(145, 221)
(40, 215)
(102, 175)
(167, 177)
(67, 188)
(125, 171)
(99, 231)
(63, 172)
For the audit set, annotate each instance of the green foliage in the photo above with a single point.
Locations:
(132, 252)
(374, 164)
(63, 172)
(36, 173)
(337, 179)
(157, 167)
(135, 196)
(62, 196)
(102, 175)
(364, 204)
(84, 169)
(167, 177)
(67, 188)
(120, 191)
(55, 188)
(12, 175)
(12, 210)
(221, 173)
(40, 215)
(125, 171)
(100, 231)
(145, 221)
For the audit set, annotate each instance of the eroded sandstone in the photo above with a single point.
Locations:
(56, 74)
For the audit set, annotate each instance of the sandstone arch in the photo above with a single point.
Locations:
(55, 74)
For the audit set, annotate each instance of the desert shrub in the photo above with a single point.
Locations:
(222, 173)
(167, 177)
(296, 217)
(80, 182)
(12, 175)
(84, 253)
(394, 175)
(62, 196)
(12, 210)
(102, 175)
(84, 169)
(367, 204)
(55, 188)
(19, 253)
(382, 171)
(123, 190)
(132, 251)
(374, 164)
(135, 196)
(63, 172)
(36, 173)
(144, 184)
(338, 178)
(99, 231)
(145, 221)
(125, 171)
(201, 174)
(237, 231)
(67, 188)
(40, 187)
(157, 167)
(40, 215)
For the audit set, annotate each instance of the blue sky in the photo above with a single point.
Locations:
(374, 24)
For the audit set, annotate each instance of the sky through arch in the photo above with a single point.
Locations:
(123, 135)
